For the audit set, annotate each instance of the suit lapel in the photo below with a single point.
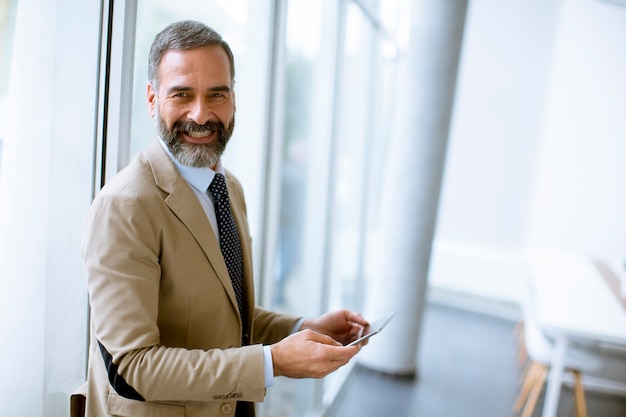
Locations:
(185, 205)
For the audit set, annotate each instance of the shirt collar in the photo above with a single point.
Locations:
(199, 178)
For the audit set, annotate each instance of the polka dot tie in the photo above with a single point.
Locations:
(229, 237)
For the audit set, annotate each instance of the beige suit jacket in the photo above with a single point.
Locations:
(165, 328)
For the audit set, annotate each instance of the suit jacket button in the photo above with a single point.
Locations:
(226, 408)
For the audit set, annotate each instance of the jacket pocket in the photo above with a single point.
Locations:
(123, 407)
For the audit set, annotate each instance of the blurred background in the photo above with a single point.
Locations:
(528, 150)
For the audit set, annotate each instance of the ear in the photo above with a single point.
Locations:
(152, 101)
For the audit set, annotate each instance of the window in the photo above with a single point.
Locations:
(304, 108)
(338, 85)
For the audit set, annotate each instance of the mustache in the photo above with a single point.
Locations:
(190, 126)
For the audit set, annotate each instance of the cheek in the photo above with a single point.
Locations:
(226, 116)
(170, 114)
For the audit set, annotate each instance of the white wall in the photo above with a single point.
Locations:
(537, 142)
(580, 199)
(496, 126)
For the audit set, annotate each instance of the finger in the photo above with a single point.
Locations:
(353, 316)
(334, 349)
(345, 353)
(357, 330)
(321, 338)
(340, 354)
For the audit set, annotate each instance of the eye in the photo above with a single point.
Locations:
(181, 95)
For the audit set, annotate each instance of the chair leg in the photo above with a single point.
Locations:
(522, 355)
(524, 373)
(579, 394)
(536, 390)
(528, 378)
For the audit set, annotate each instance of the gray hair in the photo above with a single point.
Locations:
(184, 35)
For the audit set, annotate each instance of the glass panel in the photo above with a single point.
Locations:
(300, 247)
(304, 64)
(394, 15)
(352, 152)
(351, 149)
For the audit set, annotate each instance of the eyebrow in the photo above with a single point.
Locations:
(181, 88)
(220, 88)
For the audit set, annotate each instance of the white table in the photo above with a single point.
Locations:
(574, 304)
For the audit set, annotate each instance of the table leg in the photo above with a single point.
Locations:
(555, 379)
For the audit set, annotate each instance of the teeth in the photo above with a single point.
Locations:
(199, 134)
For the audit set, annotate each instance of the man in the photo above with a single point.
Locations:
(175, 330)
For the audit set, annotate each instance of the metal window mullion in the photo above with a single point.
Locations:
(106, 11)
(115, 96)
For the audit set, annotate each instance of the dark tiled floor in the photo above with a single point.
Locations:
(467, 367)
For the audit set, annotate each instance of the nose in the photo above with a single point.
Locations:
(199, 111)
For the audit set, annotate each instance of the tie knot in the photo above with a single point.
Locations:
(218, 186)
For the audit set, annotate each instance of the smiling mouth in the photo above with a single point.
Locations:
(193, 133)
(199, 136)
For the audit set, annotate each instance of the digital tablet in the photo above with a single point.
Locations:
(375, 328)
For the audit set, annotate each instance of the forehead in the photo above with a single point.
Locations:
(208, 64)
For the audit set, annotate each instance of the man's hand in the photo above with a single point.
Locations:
(308, 354)
(343, 325)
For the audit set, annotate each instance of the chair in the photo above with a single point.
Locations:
(539, 349)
